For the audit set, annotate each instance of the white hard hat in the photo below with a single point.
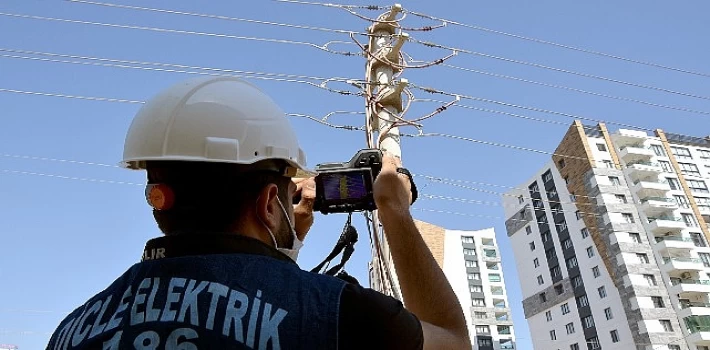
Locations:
(212, 119)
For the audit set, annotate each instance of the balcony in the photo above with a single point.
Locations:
(640, 169)
(655, 206)
(490, 255)
(650, 188)
(670, 243)
(688, 309)
(689, 286)
(681, 264)
(635, 153)
(661, 225)
(699, 329)
(625, 137)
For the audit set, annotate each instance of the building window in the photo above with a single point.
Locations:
(601, 147)
(689, 220)
(469, 251)
(585, 232)
(666, 166)
(478, 302)
(471, 263)
(628, 218)
(547, 176)
(574, 346)
(593, 343)
(503, 330)
(697, 239)
(521, 199)
(682, 201)
(590, 251)
(550, 253)
(650, 279)
(466, 239)
(705, 258)
(567, 243)
(536, 262)
(643, 258)
(582, 301)
(540, 280)
(697, 186)
(608, 164)
(548, 315)
(483, 329)
(657, 302)
(543, 297)
(474, 276)
(553, 336)
(667, 326)
(681, 152)
(546, 236)
(485, 342)
(614, 336)
(674, 347)
(620, 198)
(555, 272)
(494, 277)
(635, 237)
(475, 289)
(577, 214)
(602, 292)
(704, 154)
(576, 281)
(570, 328)
(588, 322)
(528, 230)
(673, 183)
(614, 180)
(571, 262)
(608, 314)
(480, 315)
(532, 246)
(689, 169)
(658, 150)
(565, 308)
(595, 271)
(561, 163)
(559, 289)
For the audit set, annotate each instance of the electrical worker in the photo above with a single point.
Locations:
(223, 166)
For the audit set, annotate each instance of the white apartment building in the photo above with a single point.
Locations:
(610, 242)
(471, 262)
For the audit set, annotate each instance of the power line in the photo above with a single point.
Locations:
(236, 19)
(560, 70)
(258, 75)
(569, 47)
(48, 94)
(517, 36)
(323, 47)
(619, 98)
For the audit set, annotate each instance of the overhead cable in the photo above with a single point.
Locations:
(323, 47)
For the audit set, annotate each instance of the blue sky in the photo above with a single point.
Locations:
(64, 240)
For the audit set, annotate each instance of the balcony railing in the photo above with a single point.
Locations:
(658, 199)
(677, 281)
(687, 304)
(678, 259)
(666, 218)
(674, 238)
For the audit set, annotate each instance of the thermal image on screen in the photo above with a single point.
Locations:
(343, 186)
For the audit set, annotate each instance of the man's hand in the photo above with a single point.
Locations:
(392, 190)
(303, 211)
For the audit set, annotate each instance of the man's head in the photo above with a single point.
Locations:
(225, 198)
(203, 138)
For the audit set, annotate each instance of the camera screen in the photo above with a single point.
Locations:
(346, 185)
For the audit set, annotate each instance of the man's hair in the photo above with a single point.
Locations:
(210, 197)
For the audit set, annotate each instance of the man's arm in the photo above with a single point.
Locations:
(425, 289)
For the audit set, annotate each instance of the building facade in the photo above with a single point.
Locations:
(610, 242)
(471, 262)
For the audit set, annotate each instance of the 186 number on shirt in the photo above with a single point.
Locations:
(150, 340)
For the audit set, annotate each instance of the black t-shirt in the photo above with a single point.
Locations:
(368, 319)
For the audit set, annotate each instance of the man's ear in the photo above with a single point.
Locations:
(267, 206)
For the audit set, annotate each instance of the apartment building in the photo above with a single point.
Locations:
(610, 242)
(471, 262)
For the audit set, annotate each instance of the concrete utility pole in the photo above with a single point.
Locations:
(384, 104)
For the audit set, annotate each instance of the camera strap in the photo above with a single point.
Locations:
(345, 244)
